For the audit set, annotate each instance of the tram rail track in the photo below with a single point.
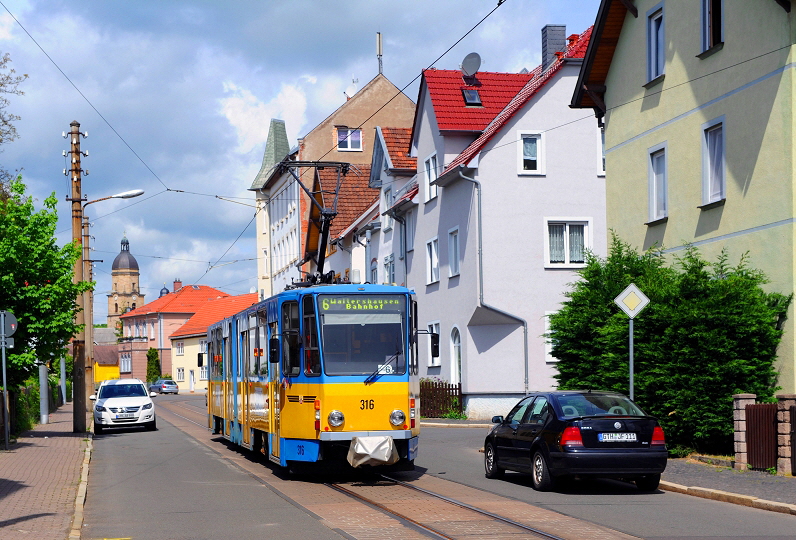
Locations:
(437, 518)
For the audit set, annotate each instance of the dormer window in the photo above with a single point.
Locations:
(471, 97)
(349, 140)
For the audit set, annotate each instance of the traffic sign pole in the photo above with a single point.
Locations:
(6, 422)
(632, 301)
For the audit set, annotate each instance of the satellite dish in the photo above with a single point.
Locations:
(470, 64)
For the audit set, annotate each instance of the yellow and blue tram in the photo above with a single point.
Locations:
(323, 374)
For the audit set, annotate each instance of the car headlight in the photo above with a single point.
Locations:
(397, 417)
(100, 408)
(147, 406)
(336, 418)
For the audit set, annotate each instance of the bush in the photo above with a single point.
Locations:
(709, 332)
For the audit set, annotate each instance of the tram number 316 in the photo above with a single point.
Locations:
(365, 404)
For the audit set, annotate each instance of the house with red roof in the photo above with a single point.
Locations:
(151, 325)
(510, 196)
(189, 342)
(288, 219)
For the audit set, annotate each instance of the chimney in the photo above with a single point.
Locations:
(177, 285)
(554, 39)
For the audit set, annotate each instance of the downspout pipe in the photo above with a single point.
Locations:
(481, 302)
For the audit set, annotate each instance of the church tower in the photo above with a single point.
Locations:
(125, 294)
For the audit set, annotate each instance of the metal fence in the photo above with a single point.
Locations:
(438, 399)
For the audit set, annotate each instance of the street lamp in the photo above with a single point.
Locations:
(88, 295)
(80, 381)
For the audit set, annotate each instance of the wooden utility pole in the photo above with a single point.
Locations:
(80, 398)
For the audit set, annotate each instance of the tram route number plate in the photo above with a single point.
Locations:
(616, 437)
(125, 415)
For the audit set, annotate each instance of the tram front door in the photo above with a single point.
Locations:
(274, 409)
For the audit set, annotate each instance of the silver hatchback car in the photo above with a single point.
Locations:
(164, 386)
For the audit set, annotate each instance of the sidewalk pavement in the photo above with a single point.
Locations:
(44, 474)
(43, 480)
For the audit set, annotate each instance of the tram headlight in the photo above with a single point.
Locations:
(397, 418)
(336, 418)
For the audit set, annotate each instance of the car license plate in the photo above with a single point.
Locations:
(616, 437)
(125, 415)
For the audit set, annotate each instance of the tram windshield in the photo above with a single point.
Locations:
(363, 334)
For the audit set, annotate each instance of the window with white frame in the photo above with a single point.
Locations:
(180, 346)
(432, 261)
(713, 161)
(152, 330)
(203, 346)
(137, 328)
(712, 23)
(203, 373)
(548, 344)
(180, 374)
(126, 363)
(349, 140)
(656, 47)
(531, 153)
(387, 199)
(658, 196)
(453, 252)
(389, 269)
(566, 242)
(431, 175)
(374, 271)
(433, 328)
(456, 356)
(411, 226)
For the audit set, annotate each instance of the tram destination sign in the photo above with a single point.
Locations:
(361, 303)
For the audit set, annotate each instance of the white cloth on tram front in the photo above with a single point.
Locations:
(372, 451)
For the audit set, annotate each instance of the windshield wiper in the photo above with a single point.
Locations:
(379, 369)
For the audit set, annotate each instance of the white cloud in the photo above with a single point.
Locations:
(251, 117)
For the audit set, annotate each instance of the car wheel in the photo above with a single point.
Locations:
(153, 425)
(649, 482)
(542, 481)
(490, 462)
(97, 428)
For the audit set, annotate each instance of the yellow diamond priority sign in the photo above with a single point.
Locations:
(632, 301)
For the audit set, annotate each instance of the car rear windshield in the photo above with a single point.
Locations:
(597, 405)
(169, 382)
(122, 390)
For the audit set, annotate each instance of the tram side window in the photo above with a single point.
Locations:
(291, 359)
(263, 344)
(312, 362)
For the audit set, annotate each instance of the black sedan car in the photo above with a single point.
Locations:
(574, 433)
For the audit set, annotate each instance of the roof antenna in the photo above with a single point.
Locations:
(379, 50)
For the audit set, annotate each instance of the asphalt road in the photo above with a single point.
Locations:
(164, 484)
(453, 454)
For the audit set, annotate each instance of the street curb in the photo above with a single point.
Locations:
(80, 499)
(726, 496)
(433, 424)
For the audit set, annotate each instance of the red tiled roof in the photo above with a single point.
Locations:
(355, 196)
(187, 299)
(576, 49)
(495, 89)
(214, 311)
(398, 141)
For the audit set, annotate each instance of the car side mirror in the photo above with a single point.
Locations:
(93, 397)
(153, 394)
(497, 419)
(273, 350)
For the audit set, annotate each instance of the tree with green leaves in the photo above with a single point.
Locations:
(9, 84)
(35, 282)
(710, 331)
(152, 365)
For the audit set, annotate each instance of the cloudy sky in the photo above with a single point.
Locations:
(177, 96)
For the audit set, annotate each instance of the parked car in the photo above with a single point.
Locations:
(576, 433)
(123, 403)
(164, 386)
